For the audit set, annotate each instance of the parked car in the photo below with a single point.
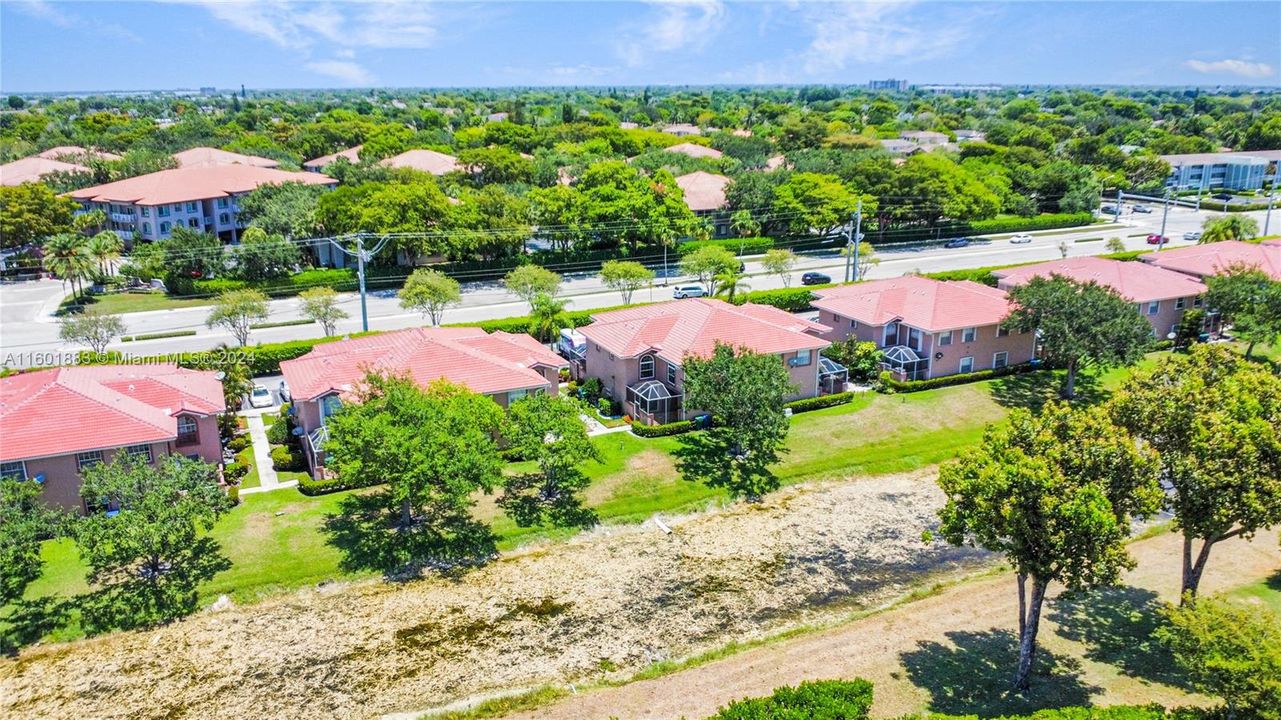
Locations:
(1140, 209)
(1110, 210)
(1021, 239)
(815, 278)
(1194, 236)
(285, 395)
(1225, 197)
(957, 243)
(1155, 239)
(260, 397)
(688, 291)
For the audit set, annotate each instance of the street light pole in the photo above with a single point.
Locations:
(1267, 219)
(858, 235)
(360, 274)
(1165, 212)
(1118, 203)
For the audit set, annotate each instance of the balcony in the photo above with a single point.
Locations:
(122, 217)
(125, 234)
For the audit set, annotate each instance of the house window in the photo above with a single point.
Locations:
(13, 470)
(1001, 359)
(146, 211)
(222, 202)
(968, 334)
(164, 228)
(647, 367)
(515, 395)
(329, 405)
(945, 338)
(803, 358)
(671, 374)
(967, 364)
(1154, 307)
(140, 451)
(163, 211)
(224, 218)
(146, 228)
(1002, 331)
(1197, 301)
(88, 459)
(853, 324)
(191, 207)
(1180, 303)
(193, 222)
(188, 433)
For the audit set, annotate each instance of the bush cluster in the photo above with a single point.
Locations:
(1049, 221)
(672, 428)
(288, 458)
(814, 700)
(238, 443)
(889, 383)
(788, 299)
(311, 486)
(278, 432)
(820, 402)
(748, 246)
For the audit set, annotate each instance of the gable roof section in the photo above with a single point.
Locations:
(484, 363)
(76, 409)
(72, 153)
(1214, 258)
(694, 150)
(352, 154)
(1136, 282)
(210, 157)
(929, 305)
(694, 326)
(430, 161)
(31, 169)
(703, 190)
(194, 183)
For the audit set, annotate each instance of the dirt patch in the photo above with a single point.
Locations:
(618, 597)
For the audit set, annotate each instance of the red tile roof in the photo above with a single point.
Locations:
(75, 409)
(429, 161)
(484, 363)
(352, 154)
(694, 327)
(194, 183)
(1213, 258)
(1136, 282)
(73, 153)
(694, 150)
(31, 169)
(929, 305)
(703, 190)
(210, 157)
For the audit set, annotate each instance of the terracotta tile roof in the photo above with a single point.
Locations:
(694, 326)
(74, 409)
(703, 190)
(352, 154)
(1136, 282)
(71, 153)
(209, 157)
(31, 169)
(930, 305)
(775, 162)
(430, 161)
(1213, 258)
(194, 183)
(694, 151)
(679, 129)
(484, 363)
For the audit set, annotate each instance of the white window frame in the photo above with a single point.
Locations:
(671, 373)
(803, 358)
(195, 424)
(514, 395)
(1198, 301)
(853, 324)
(1002, 331)
(1154, 307)
(1004, 355)
(969, 335)
(945, 338)
(644, 374)
(16, 470)
(143, 450)
(960, 365)
(1180, 303)
(88, 459)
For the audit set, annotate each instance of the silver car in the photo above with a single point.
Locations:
(688, 291)
(1021, 238)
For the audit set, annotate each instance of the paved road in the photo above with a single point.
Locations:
(27, 327)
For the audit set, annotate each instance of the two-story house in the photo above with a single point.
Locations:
(503, 366)
(1201, 261)
(705, 196)
(926, 328)
(1160, 296)
(638, 353)
(202, 197)
(56, 423)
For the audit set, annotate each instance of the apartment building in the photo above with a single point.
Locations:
(1222, 171)
(148, 207)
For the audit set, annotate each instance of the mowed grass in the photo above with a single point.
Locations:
(1266, 592)
(276, 540)
(127, 302)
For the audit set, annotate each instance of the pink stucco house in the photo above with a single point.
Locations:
(638, 353)
(502, 366)
(55, 423)
(1161, 296)
(926, 328)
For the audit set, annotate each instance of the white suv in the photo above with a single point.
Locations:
(688, 291)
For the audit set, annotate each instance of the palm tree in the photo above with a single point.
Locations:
(742, 223)
(66, 256)
(729, 284)
(104, 248)
(547, 317)
(1228, 227)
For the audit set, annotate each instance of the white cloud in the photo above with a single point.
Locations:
(876, 32)
(299, 24)
(675, 25)
(351, 73)
(1244, 68)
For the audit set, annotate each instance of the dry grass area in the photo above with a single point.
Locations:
(606, 603)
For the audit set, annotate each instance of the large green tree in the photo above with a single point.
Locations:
(1249, 301)
(708, 263)
(24, 523)
(91, 327)
(1215, 419)
(548, 431)
(528, 281)
(237, 311)
(430, 292)
(1055, 494)
(320, 305)
(744, 392)
(810, 202)
(1080, 324)
(1233, 226)
(288, 209)
(625, 277)
(31, 211)
(261, 256)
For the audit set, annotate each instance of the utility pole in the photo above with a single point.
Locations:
(362, 256)
(851, 245)
(1267, 218)
(1165, 212)
(858, 235)
(1200, 189)
(1118, 203)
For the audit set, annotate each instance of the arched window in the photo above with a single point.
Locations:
(164, 228)
(188, 431)
(146, 228)
(647, 367)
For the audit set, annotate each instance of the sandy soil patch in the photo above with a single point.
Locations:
(617, 597)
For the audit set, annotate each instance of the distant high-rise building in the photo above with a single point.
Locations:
(208, 91)
(899, 85)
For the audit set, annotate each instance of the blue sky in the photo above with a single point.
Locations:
(104, 45)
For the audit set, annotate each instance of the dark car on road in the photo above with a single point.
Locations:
(813, 278)
(1110, 210)
(957, 243)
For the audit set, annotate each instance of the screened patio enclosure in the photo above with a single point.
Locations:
(905, 362)
(831, 376)
(654, 403)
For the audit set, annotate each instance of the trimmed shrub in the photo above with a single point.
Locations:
(814, 700)
(738, 246)
(820, 402)
(238, 443)
(278, 432)
(889, 383)
(789, 299)
(1049, 221)
(234, 472)
(672, 428)
(287, 458)
(158, 335)
(311, 486)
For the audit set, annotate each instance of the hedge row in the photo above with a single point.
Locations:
(1049, 221)
(820, 402)
(310, 486)
(889, 383)
(738, 246)
(672, 428)
(812, 699)
(789, 299)
(337, 278)
(158, 335)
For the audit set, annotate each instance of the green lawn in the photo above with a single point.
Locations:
(1266, 592)
(127, 302)
(633, 479)
(251, 479)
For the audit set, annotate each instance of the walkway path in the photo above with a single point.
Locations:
(267, 479)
